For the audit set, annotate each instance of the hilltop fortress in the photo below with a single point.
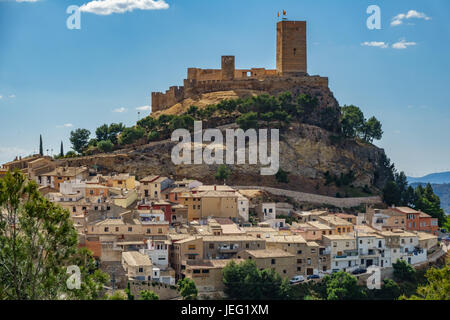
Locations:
(290, 74)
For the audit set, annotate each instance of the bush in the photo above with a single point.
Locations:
(153, 136)
(105, 146)
(131, 135)
(248, 121)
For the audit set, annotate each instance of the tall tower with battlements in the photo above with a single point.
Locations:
(291, 47)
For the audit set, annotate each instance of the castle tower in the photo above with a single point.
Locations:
(291, 47)
(228, 67)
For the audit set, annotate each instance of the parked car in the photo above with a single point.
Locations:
(313, 276)
(359, 271)
(297, 279)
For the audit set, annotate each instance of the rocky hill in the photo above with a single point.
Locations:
(307, 153)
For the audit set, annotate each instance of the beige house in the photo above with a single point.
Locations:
(122, 181)
(151, 186)
(342, 226)
(208, 275)
(219, 204)
(226, 247)
(137, 266)
(342, 251)
(305, 252)
(183, 251)
(427, 240)
(278, 260)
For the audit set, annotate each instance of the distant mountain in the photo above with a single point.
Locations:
(442, 191)
(441, 177)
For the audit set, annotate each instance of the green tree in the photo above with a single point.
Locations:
(93, 280)
(187, 289)
(223, 172)
(117, 295)
(390, 290)
(282, 176)
(427, 201)
(148, 295)
(248, 121)
(391, 193)
(437, 286)
(153, 136)
(102, 132)
(38, 242)
(79, 139)
(61, 152)
(131, 135)
(105, 146)
(306, 104)
(41, 147)
(403, 271)
(244, 281)
(371, 130)
(342, 286)
(352, 121)
(113, 132)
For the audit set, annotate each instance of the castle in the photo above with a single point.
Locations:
(291, 72)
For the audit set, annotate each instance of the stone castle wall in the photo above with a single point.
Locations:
(272, 85)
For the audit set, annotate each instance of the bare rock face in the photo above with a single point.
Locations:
(306, 153)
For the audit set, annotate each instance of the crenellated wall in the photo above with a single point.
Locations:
(268, 81)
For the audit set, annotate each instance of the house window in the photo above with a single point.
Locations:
(309, 261)
(299, 260)
(130, 229)
(205, 271)
(347, 244)
(117, 229)
(106, 229)
(299, 252)
(211, 245)
(149, 231)
(299, 268)
(313, 250)
(141, 270)
(273, 261)
(196, 271)
(334, 244)
(159, 230)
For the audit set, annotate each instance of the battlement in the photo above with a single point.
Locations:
(291, 68)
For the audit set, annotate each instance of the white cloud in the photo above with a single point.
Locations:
(120, 110)
(12, 96)
(403, 44)
(107, 7)
(1, 97)
(412, 14)
(144, 108)
(66, 125)
(379, 44)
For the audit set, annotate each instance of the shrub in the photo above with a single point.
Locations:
(105, 146)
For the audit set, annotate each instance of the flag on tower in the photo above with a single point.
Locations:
(278, 14)
(284, 12)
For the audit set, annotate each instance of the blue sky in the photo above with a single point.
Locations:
(53, 80)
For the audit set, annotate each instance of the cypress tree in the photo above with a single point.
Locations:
(61, 153)
(41, 148)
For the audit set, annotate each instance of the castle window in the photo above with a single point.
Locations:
(295, 51)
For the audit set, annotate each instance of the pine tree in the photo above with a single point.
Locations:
(41, 147)
(61, 153)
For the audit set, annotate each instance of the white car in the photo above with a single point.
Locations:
(297, 279)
